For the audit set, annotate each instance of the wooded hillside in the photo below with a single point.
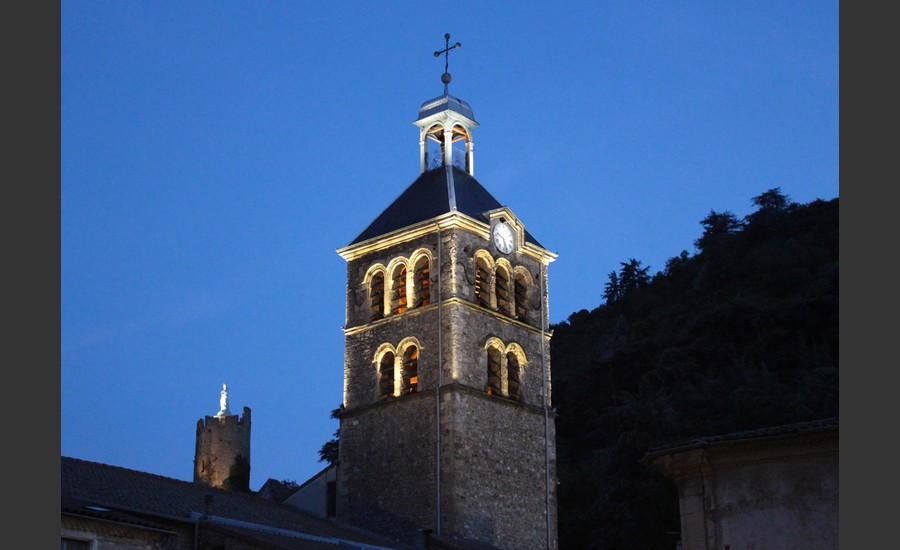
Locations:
(743, 334)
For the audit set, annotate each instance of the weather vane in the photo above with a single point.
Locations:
(445, 78)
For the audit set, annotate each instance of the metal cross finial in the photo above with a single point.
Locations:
(445, 78)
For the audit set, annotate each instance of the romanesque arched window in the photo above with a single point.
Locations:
(376, 296)
(494, 377)
(398, 290)
(513, 376)
(410, 371)
(422, 282)
(504, 301)
(386, 376)
(482, 283)
(520, 293)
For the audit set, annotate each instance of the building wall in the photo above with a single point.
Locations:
(785, 504)
(764, 493)
(313, 496)
(223, 451)
(494, 473)
(387, 471)
(107, 535)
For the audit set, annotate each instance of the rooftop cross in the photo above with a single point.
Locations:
(445, 78)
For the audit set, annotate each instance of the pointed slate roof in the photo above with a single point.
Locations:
(434, 193)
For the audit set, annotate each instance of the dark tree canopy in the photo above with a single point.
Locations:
(631, 276)
(716, 226)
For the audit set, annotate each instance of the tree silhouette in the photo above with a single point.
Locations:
(715, 226)
(632, 276)
(330, 449)
(611, 290)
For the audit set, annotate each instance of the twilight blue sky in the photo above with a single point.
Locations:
(215, 154)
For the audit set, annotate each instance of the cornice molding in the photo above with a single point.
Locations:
(350, 331)
(450, 220)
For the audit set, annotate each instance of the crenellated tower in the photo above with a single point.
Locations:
(222, 454)
(447, 425)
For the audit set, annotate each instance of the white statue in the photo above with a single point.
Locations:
(223, 402)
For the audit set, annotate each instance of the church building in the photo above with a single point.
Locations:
(447, 434)
(446, 425)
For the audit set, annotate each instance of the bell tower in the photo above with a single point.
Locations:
(447, 424)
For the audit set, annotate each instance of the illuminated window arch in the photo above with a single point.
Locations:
(522, 285)
(482, 282)
(410, 370)
(397, 368)
(422, 281)
(494, 374)
(505, 369)
(502, 288)
(513, 376)
(376, 296)
(398, 289)
(386, 385)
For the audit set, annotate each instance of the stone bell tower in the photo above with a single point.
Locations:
(447, 425)
(222, 455)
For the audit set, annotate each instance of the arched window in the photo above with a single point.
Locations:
(514, 377)
(386, 376)
(376, 296)
(482, 292)
(504, 304)
(422, 282)
(410, 371)
(398, 290)
(521, 296)
(494, 380)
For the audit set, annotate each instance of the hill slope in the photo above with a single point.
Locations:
(742, 335)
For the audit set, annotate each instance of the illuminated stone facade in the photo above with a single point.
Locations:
(222, 455)
(447, 426)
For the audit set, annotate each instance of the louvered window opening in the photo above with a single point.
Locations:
(503, 303)
(376, 302)
(493, 374)
(398, 298)
(423, 284)
(386, 376)
(521, 293)
(513, 374)
(481, 290)
(410, 371)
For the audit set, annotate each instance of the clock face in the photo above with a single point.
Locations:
(503, 237)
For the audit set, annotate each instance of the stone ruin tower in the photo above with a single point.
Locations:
(222, 456)
(447, 425)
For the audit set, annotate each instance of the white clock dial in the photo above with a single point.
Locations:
(503, 238)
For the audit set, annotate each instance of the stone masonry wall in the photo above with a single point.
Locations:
(106, 535)
(387, 473)
(223, 451)
(494, 471)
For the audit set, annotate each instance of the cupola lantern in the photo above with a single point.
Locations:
(443, 121)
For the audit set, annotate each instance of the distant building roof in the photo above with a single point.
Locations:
(808, 427)
(432, 194)
(116, 492)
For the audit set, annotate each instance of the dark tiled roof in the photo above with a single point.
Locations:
(434, 193)
(121, 490)
(78, 507)
(760, 433)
